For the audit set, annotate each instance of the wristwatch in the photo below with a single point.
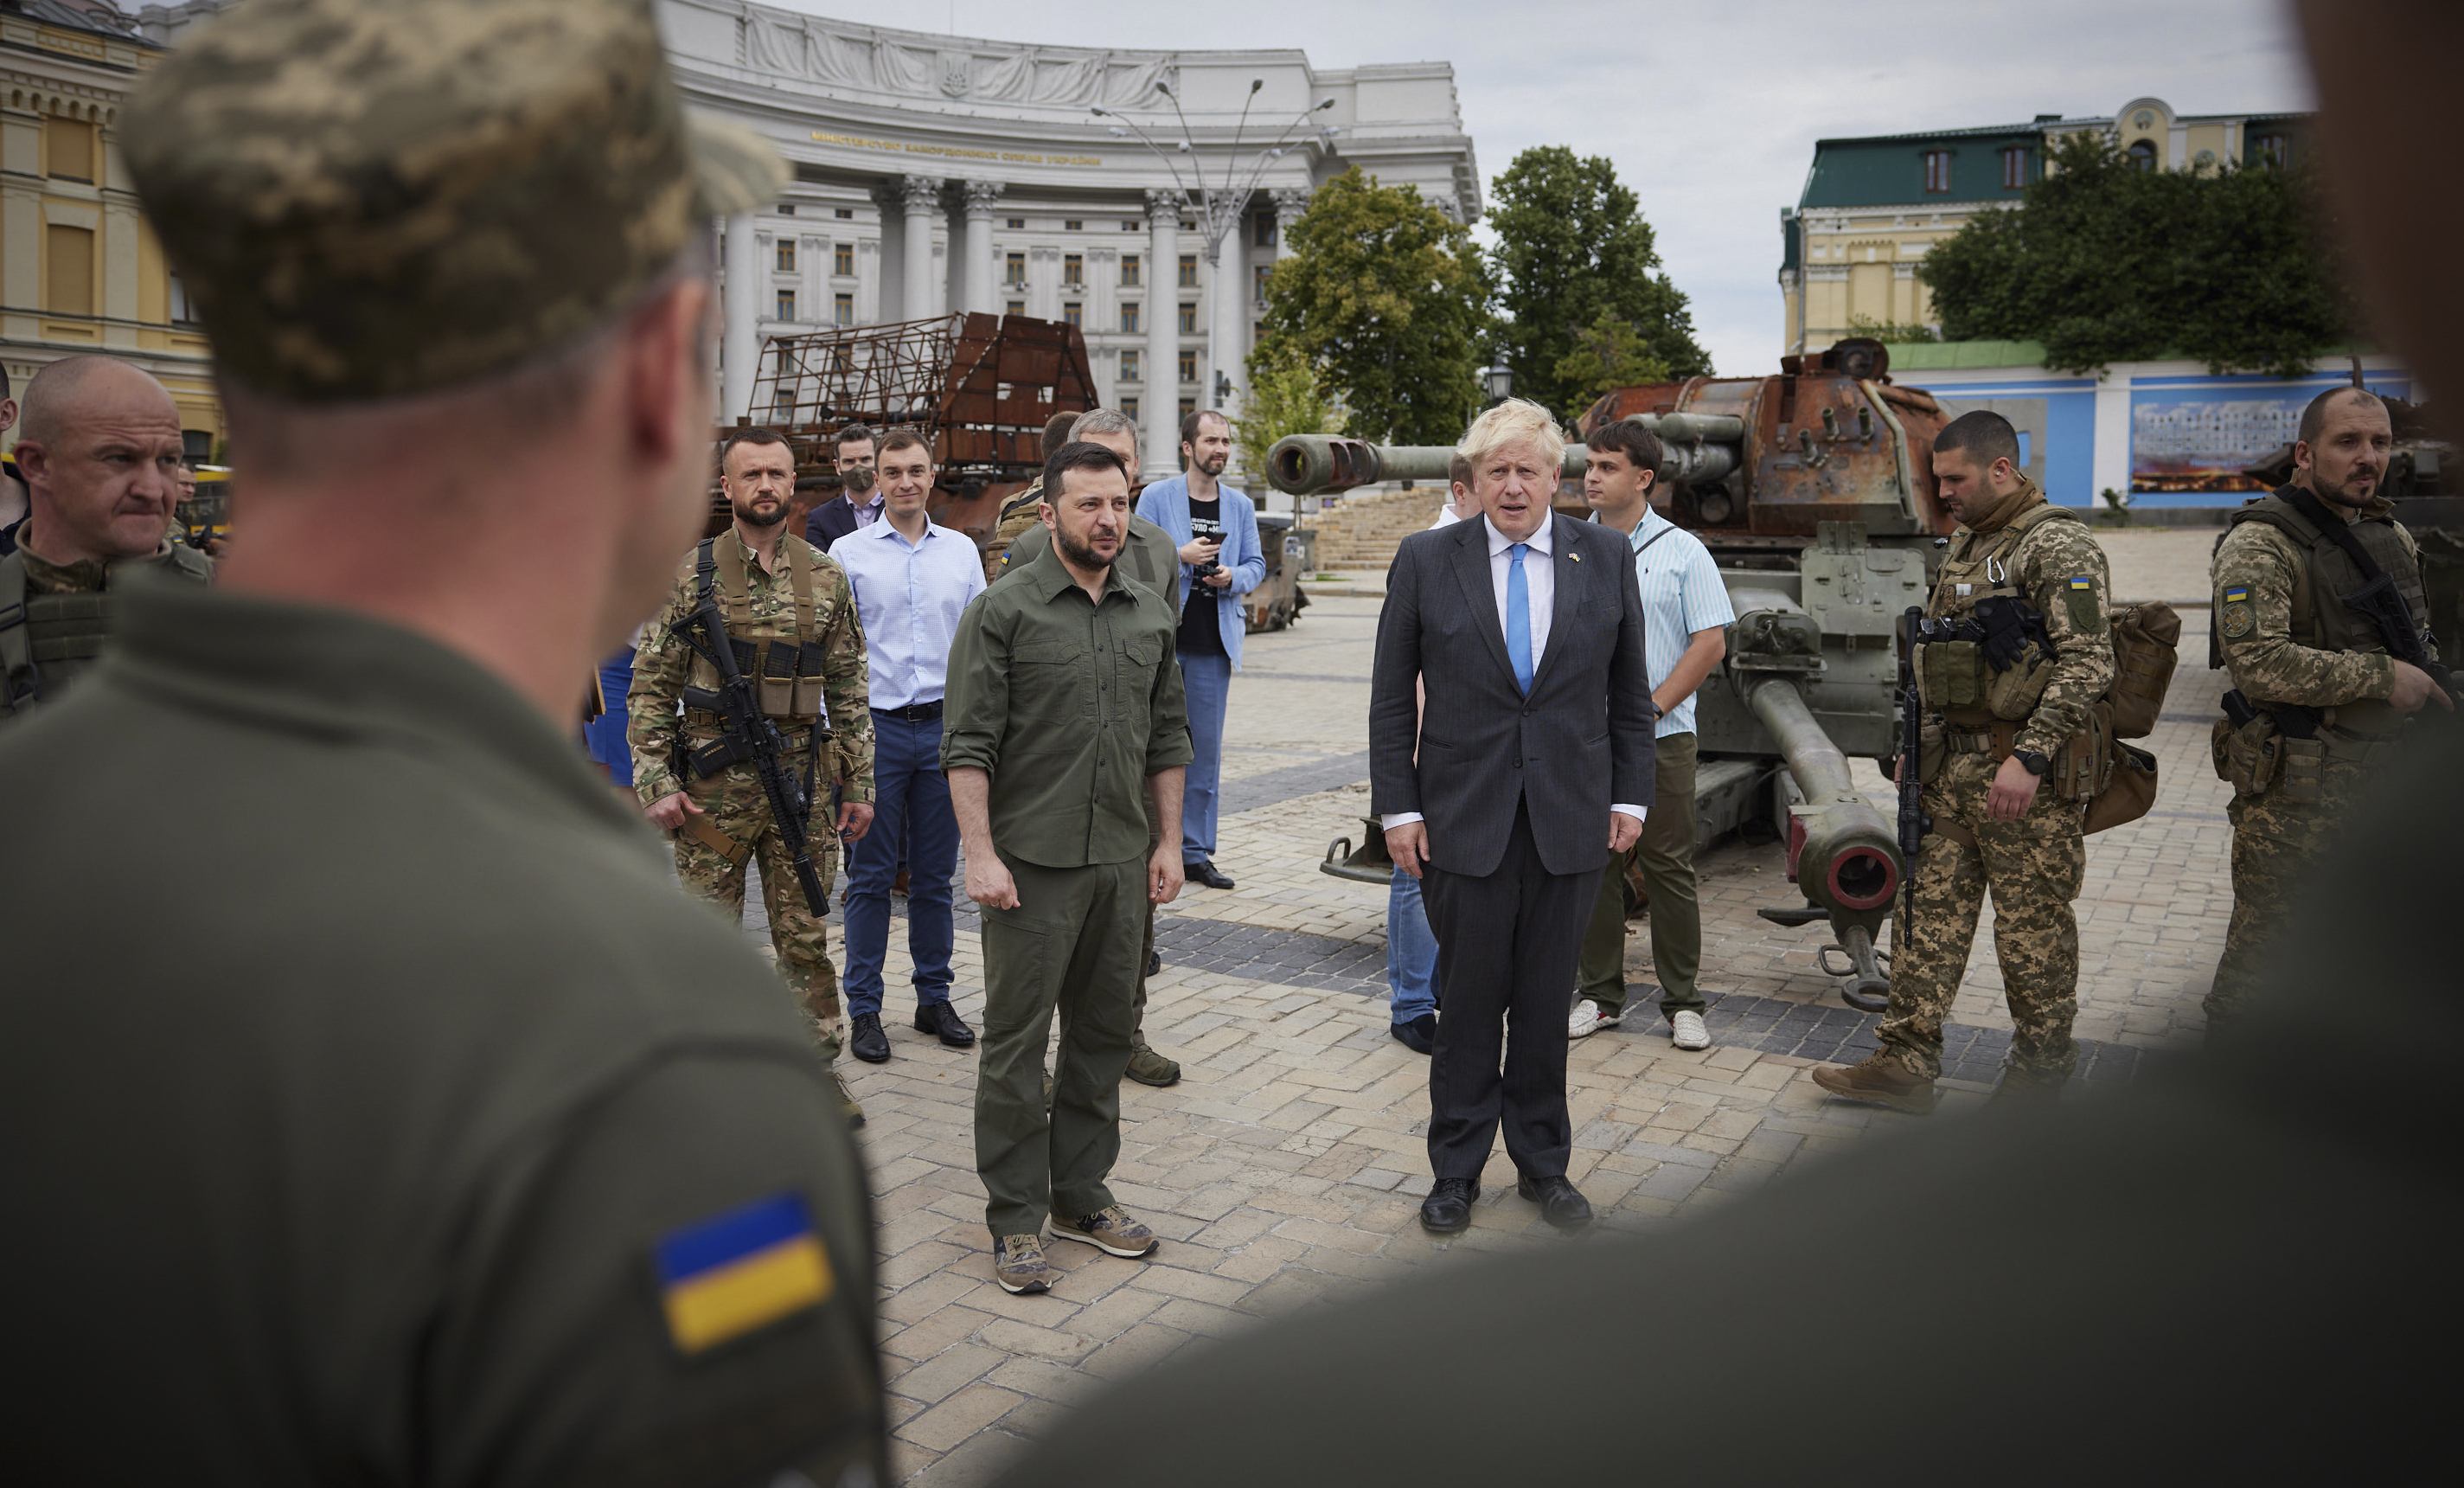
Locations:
(2031, 761)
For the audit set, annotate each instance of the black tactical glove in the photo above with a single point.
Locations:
(2008, 626)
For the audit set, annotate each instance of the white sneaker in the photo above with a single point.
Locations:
(1687, 1031)
(1587, 1019)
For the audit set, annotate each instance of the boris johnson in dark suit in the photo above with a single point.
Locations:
(1526, 629)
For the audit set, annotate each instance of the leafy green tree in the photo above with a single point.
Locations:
(1285, 396)
(2105, 262)
(1891, 331)
(1386, 298)
(1608, 354)
(1573, 245)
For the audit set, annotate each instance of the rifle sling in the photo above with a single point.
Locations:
(2336, 529)
(701, 830)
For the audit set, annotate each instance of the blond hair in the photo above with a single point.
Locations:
(1516, 420)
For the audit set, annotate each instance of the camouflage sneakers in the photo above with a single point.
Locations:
(1880, 1080)
(847, 1107)
(1019, 1264)
(1110, 1230)
(1149, 1068)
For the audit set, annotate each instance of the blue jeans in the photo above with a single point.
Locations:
(911, 819)
(1207, 681)
(605, 733)
(1411, 951)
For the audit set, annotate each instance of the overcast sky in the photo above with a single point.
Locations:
(1709, 108)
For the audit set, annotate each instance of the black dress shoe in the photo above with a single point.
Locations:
(1418, 1035)
(942, 1021)
(866, 1040)
(1207, 872)
(1447, 1210)
(1560, 1204)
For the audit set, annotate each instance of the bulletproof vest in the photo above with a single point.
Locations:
(1954, 678)
(780, 650)
(2320, 621)
(48, 640)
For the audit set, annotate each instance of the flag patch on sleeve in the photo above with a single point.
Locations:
(2081, 583)
(724, 1277)
(2237, 594)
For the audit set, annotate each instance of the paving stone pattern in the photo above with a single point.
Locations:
(1287, 1165)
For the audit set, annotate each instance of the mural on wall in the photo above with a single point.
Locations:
(2202, 439)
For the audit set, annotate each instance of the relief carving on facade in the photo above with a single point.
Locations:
(823, 51)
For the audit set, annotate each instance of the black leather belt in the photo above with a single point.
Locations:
(913, 712)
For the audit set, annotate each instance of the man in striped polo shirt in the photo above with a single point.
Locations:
(1685, 610)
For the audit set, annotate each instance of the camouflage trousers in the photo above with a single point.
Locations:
(2276, 845)
(734, 803)
(2033, 867)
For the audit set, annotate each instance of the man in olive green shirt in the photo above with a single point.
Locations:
(382, 1114)
(1064, 735)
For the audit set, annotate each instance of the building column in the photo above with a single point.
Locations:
(920, 196)
(981, 195)
(889, 281)
(739, 347)
(1159, 448)
(1227, 311)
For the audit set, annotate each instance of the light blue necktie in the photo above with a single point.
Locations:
(1518, 617)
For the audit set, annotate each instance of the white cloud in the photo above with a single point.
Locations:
(1710, 111)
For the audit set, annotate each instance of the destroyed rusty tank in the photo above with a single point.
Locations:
(1814, 490)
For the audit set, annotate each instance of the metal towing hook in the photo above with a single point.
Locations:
(1867, 986)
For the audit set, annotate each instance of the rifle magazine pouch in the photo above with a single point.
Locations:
(1952, 675)
(779, 680)
(1931, 751)
(2304, 773)
(811, 657)
(708, 760)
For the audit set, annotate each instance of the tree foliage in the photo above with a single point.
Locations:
(1285, 396)
(1572, 247)
(1607, 354)
(1386, 298)
(2105, 262)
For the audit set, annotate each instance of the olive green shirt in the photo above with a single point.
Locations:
(352, 1105)
(1069, 706)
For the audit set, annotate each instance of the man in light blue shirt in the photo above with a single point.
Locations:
(1685, 614)
(1216, 529)
(911, 579)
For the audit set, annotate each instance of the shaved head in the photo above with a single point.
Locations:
(70, 390)
(99, 451)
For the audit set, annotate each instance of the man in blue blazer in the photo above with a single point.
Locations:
(1216, 529)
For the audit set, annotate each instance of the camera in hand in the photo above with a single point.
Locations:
(1205, 530)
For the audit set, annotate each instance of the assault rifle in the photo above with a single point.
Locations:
(2379, 603)
(747, 733)
(1913, 821)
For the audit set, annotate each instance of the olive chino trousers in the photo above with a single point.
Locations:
(1073, 945)
(1666, 852)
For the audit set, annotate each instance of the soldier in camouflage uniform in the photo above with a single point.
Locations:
(2305, 664)
(2018, 752)
(775, 590)
(1018, 514)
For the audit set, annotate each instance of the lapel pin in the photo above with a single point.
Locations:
(1574, 557)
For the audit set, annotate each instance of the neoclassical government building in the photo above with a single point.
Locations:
(1141, 195)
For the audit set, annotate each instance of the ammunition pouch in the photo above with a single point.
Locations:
(2012, 693)
(1932, 748)
(790, 678)
(2254, 750)
(1952, 675)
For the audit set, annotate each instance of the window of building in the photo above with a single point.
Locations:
(1129, 367)
(1189, 271)
(1258, 278)
(1189, 366)
(783, 406)
(184, 312)
(787, 304)
(68, 149)
(845, 213)
(1189, 320)
(2272, 149)
(1130, 408)
(1074, 269)
(1016, 307)
(1129, 320)
(68, 270)
(1072, 225)
(1074, 313)
(843, 258)
(1937, 170)
(843, 309)
(1018, 224)
(1014, 268)
(1264, 235)
(1129, 271)
(786, 209)
(1130, 225)
(2014, 167)
(2143, 155)
(1188, 406)
(786, 255)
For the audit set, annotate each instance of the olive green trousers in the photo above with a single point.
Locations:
(1666, 852)
(1074, 945)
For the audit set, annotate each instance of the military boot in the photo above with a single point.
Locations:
(1880, 1080)
(847, 1107)
(1149, 1068)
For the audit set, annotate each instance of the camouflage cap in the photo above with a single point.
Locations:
(374, 198)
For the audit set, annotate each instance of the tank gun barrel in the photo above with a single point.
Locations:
(1847, 857)
(1315, 464)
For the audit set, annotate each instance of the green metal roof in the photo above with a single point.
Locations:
(1889, 170)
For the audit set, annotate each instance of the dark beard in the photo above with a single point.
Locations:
(2340, 496)
(1084, 557)
(1213, 464)
(754, 518)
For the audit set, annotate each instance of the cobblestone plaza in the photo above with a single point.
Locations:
(1288, 1164)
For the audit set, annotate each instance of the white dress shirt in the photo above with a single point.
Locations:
(1540, 601)
(909, 596)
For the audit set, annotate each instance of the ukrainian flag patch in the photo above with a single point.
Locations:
(2081, 583)
(2236, 593)
(733, 1272)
